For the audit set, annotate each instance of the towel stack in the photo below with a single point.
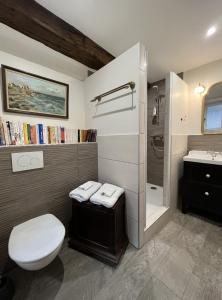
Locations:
(85, 191)
(106, 194)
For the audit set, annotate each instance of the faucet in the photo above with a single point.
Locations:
(213, 154)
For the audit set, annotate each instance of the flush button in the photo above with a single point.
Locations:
(207, 194)
(207, 175)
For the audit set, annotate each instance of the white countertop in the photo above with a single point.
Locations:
(205, 157)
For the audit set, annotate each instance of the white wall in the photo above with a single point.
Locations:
(207, 75)
(119, 131)
(177, 124)
(76, 94)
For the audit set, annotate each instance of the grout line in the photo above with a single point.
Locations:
(126, 162)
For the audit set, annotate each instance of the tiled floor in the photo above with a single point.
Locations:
(184, 261)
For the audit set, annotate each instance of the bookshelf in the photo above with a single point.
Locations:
(43, 145)
(18, 134)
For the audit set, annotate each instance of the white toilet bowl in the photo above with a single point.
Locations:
(35, 243)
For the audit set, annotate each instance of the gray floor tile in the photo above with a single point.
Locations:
(193, 236)
(156, 290)
(128, 283)
(208, 274)
(183, 261)
(198, 289)
(176, 270)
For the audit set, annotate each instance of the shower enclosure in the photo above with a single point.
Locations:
(155, 151)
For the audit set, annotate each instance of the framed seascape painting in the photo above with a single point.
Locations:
(28, 93)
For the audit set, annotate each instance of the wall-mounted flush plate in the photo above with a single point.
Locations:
(24, 161)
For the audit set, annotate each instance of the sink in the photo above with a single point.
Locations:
(205, 157)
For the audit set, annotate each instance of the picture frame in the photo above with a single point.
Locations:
(28, 93)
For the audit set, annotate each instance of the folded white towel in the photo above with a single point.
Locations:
(100, 198)
(84, 195)
(87, 185)
(109, 190)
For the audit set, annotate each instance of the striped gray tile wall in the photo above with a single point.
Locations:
(29, 194)
(208, 142)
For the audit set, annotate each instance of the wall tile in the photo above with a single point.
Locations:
(142, 207)
(119, 173)
(142, 140)
(211, 142)
(141, 178)
(133, 231)
(119, 147)
(87, 150)
(142, 117)
(132, 204)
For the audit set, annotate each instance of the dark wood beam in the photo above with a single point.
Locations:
(35, 21)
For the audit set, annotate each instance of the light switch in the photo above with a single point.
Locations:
(24, 161)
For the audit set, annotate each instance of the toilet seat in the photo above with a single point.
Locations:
(35, 239)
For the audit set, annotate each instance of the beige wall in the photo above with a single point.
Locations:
(207, 75)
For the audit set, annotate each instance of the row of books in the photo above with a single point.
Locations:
(18, 133)
(88, 135)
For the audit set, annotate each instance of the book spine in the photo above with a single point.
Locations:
(2, 133)
(75, 136)
(25, 133)
(41, 138)
(19, 140)
(78, 135)
(9, 132)
(62, 132)
(34, 138)
(59, 134)
(94, 135)
(55, 136)
(45, 134)
(12, 131)
(51, 135)
(29, 133)
(6, 133)
(37, 134)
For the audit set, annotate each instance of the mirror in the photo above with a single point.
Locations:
(212, 110)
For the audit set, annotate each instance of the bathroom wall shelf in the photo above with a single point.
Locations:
(43, 145)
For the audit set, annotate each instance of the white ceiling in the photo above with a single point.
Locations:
(16, 43)
(172, 30)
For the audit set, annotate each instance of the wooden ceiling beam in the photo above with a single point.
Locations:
(35, 21)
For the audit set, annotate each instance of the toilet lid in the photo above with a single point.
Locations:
(35, 239)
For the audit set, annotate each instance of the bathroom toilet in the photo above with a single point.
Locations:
(35, 243)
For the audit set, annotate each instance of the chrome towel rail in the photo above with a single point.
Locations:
(127, 85)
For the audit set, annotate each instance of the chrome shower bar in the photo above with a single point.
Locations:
(127, 85)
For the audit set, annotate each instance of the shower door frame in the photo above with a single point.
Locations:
(146, 233)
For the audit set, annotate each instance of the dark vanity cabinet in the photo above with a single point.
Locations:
(202, 188)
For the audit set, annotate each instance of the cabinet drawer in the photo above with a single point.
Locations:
(208, 173)
(203, 196)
